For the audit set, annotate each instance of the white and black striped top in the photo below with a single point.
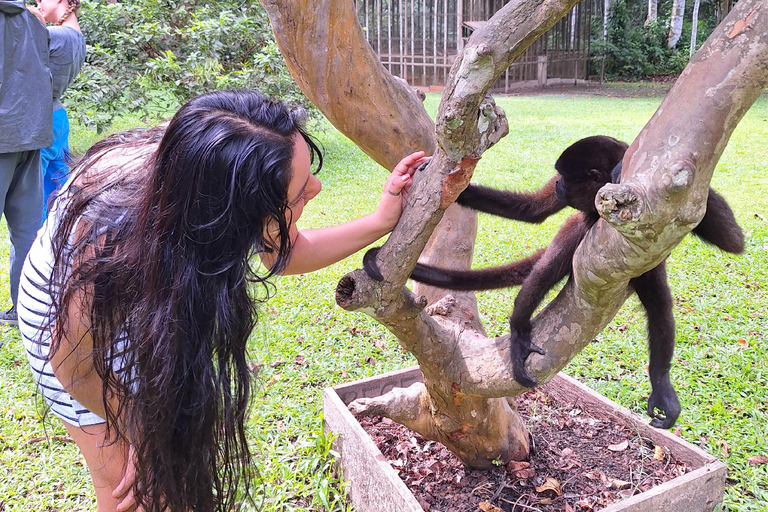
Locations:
(35, 323)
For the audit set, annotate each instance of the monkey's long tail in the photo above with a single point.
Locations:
(505, 276)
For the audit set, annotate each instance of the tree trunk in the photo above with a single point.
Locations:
(723, 8)
(652, 12)
(694, 27)
(676, 23)
(606, 18)
(661, 196)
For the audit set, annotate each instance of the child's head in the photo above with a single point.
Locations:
(58, 11)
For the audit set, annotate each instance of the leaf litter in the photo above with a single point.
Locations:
(578, 463)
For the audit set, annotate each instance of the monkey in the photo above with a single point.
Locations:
(583, 168)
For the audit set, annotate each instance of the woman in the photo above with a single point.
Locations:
(67, 56)
(135, 309)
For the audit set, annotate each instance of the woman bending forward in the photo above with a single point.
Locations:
(134, 303)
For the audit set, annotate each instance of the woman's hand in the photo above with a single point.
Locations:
(124, 490)
(396, 189)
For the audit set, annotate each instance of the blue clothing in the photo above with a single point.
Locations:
(67, 58)
(54, 158)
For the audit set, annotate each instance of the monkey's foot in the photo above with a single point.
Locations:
(370, 266)
(665, 400)
(521, 349)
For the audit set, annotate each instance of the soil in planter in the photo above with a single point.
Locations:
(578, 463)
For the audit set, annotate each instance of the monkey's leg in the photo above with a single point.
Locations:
(554, 264)
(654, 294)
(719, 226)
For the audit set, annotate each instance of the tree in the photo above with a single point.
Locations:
(467, 376)
(652, 12)
(694, 26)
(676, 23)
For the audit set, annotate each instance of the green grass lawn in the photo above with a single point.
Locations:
(305, 342)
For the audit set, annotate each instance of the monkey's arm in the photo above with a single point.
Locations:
(504, 276)
(719, 226)
(523, 206)
(554, 264)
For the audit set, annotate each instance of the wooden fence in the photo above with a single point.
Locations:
(418, 40)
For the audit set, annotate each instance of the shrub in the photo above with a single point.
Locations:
(150, 56)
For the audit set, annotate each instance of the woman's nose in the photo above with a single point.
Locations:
(313, 187)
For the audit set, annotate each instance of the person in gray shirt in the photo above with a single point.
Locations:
(25, 128)
(67, 56)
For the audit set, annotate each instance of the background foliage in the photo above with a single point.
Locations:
(150, 56)
(635, 49)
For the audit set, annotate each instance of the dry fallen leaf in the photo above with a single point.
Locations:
(550, 485)
(619, 484)
(757, 460)
(514, 466)
(568, 508)
(618, 447)
(742, 343)
(658, 453)
(486, 506)
(525, 473)
(724, 448)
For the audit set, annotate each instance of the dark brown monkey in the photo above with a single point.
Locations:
(583, 168)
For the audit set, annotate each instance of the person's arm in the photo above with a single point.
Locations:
(314, 249)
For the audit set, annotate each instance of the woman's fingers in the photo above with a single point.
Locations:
(124, 488)
(410, 163)
(396, 185)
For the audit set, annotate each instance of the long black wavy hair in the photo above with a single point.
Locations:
(161, 248)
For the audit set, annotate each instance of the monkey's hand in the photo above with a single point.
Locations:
(522, 347)
(370, 266)
(663, 398)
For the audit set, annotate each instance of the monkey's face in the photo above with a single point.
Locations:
(578, 189)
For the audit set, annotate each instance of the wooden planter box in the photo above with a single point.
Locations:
(374, 486)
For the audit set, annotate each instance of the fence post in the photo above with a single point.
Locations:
(542, 74)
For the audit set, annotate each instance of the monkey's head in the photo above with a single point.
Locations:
(584, 167)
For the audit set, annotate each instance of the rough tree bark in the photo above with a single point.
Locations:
(662, 196)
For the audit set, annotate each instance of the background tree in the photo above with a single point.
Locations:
(694, 26)
(676, 23)
(653, 7)
(467, 377)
